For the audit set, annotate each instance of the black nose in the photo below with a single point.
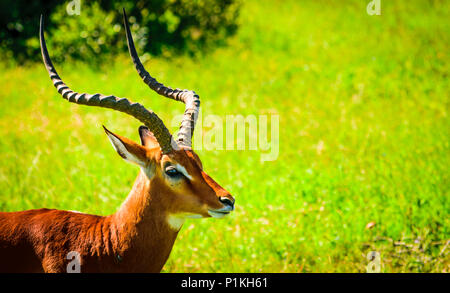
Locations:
(226, 201)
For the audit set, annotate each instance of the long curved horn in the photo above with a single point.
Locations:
(148, 117)
(190, 98)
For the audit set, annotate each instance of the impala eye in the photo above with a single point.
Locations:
(172, 172)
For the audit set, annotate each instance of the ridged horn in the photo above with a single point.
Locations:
(189, 98)
(148, 117)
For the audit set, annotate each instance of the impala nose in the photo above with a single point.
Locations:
(226, 201)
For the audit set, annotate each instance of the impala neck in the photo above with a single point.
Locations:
(142, 228)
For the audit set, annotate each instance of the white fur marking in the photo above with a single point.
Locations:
(182, 170)
(148, 171)
(122, 150)
(176, 221)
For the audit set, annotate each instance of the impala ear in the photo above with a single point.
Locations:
(128, 149)
(147, 138)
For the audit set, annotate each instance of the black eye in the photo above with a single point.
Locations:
(172, 172)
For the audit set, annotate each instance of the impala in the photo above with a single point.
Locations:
(170, 187)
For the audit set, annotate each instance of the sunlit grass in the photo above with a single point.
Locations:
(364, 137)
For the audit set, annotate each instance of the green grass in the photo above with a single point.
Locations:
(364, 137)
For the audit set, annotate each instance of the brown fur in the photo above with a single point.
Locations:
(137, 238)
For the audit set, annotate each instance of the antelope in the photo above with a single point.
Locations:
(171, 186)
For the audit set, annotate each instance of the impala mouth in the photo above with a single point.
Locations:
(220, 213)
(216, 214)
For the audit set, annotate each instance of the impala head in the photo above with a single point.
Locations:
(184, 187)
(170, 165)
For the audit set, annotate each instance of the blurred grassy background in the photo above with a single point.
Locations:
(364, 138)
